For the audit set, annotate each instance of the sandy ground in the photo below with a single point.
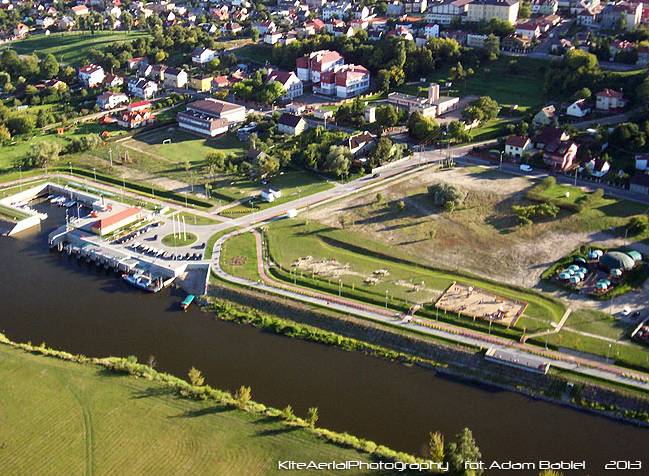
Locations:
(481, 238)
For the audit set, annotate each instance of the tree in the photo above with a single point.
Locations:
(5, 135)
(583, 93)
(638, 225)
(49, 67)
(491, 47)
(266, 165)
(254, 34)
(422, 128)
(447, 196)
(196, 377)
(401, 205)
(382, 154)
(213, 65)
(43, 153)
(338, 161)
(642, 92)
(215, 162)
(435, 447)
(463, 449)
(20, 124)
(383, 80)
(243, 396)
(456, 132)
(525, 10)
(482, 109)
(312, 417)
(387, 116)
(287, 413)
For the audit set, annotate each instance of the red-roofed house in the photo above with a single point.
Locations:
(529, 30)
(517, 145)
(138, 114)
(290, 82)
(609, 100)
(116, 220)
(309, 67)
(344, 81)
(91, 75)
(80, 10)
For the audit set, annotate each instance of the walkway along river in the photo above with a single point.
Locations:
(47, 297)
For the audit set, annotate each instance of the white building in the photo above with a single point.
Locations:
(111, 100)
(443, 12)
(291, 83)
(336, 10)
(202, 55)
(344, 81)
(578, 108)
(142, 88)
(311, 66)
(431, 30)
(91, 75)
(210, 117)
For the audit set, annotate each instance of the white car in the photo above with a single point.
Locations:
(525, 168)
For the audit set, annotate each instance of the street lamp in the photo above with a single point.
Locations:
(94, 172)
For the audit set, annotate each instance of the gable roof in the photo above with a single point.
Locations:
(290, 120)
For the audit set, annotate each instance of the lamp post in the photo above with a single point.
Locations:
(94, 172)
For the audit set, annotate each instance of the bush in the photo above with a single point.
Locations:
(638, 225)
(446, 196)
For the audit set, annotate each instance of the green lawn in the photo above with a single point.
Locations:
(60, 417)
(256, 53)
(179, 239)
(293, 184)
(192, 219)
(72, 47)
(184, 146)
(209, 246)
(239, 256)
(290, 240)
(10, 154)
(523, 87)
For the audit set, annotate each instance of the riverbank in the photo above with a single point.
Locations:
(92, 414)
(449, 359)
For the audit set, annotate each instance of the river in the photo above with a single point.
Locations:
(51, 298)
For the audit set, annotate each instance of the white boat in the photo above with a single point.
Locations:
(69, 204)
(141, 281)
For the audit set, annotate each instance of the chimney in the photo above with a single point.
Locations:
(433, 93)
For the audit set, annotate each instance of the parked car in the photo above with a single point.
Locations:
(525, 168)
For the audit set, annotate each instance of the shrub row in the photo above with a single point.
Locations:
(130, 366)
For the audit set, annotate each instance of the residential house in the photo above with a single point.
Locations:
(415, 6)
(270, 194)
(291, 124)
(545, 117)
(202, 55)
(220, 82)
(597, 167)
(265, 26)
(312, 27)
(21, 31)
(516, 146)
(642, 162)
(272, 37)
(544, 7)
(201, 82)
(289, 80)
(639, 183)
(91, 75)
(80, 10)
(548, 136)
(529, 30)
(336, 9)
(113, 81)
(142, 88)
(475, 40)
(231, 28)
(134, 63)
(486, 10)
(158, 72)
(579, 108)
(361, 144)
(609, 100)
(560, 155)
(395, 9)
(210, 117)
(137, 114)
(145, 70)
(431, 30)
(643, 56)
(110, 100)
(175, 78)
(628, 13)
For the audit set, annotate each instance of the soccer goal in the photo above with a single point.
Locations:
(166, 141)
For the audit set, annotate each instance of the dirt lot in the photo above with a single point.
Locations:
(482, 237)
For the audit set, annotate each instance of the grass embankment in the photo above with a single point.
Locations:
(239, 256)
(11, 214)
(85, 418)
(73, 47)
(293, 184)
(192, 219)
(407, 282)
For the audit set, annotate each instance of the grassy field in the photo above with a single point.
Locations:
(293, 184)
(72, 47)
(192, 219)
(523, 87)
(253, 52)
(239, 257)
(344, 261)
(64, 418)
(184, 146)
(181, 239)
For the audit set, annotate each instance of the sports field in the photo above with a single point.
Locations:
(172, 145)
(59, 417)
(72, 47)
